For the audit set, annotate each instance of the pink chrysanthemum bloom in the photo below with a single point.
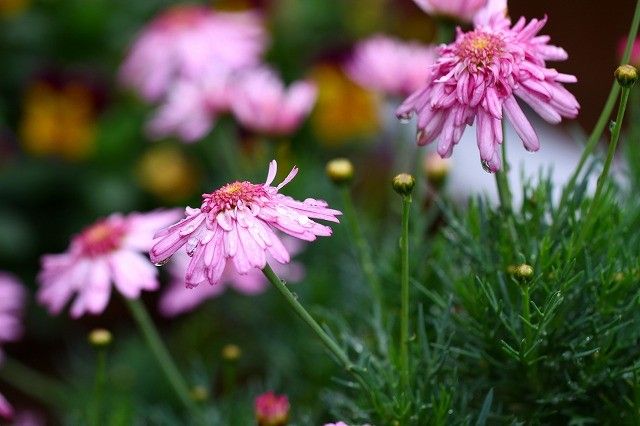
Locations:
(187, 42)
(237, 222)
(12, 300)
(479, 76)
(391, 66)
(110, 250)
(462, 10)
(634, 59)
(272, 409)
(262, 104)
(177, 300)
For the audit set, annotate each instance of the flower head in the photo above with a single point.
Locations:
(463, 10)
(190, 42)
(478, 77)
(108, 251)
(177, 300)
(272, 409)
(261, 103)
(237, 222)
(391, 66)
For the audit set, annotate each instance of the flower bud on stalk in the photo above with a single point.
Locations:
(340, 171)
(626, 75)
(522, 272)
(100, 337)
(403, 184)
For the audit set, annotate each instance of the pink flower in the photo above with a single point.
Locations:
(108, 251)
(272, 409)
(390, 65)
(462, 10)
(177, 300)
(187, 42)
(478, 77)
(634, 59)
(261, 103)
(336, 424)
(237, 222)
(6, 410)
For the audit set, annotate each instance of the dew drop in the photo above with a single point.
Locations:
(162, 263)
(485, 166)
(612, 124)
(404, 117)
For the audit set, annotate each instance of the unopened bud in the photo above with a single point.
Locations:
(231, 352)
(627, 75)
(521, 272)
(100, 337)
(199, 393)
(340, 170)
(403, 184)
(436, 169)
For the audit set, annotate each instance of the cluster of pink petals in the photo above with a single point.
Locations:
(336, 424)
(261, 103)
(238, 222)
(109, 251)
(391, 66)
(478, 77)
(634, 59)
(185, 59)
(462, 10)
(175, 300)
(272, 409)
(12, 300)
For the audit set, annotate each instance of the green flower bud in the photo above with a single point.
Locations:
(627, 75)
(340, 170)
(403, 184)
(100, 337)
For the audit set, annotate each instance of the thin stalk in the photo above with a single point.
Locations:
(404, 293)
(601, 124)
(526, 314)
(363, 249)
(161, 353)
(35, 384)
(98, 388)
(502, 181)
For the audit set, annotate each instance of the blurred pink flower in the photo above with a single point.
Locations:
(476, 78)
(390, 65)
(187, 42)
(237, 222)
(177, 300)
(336, 424)
(634, 59)
(462, 10)
(272, 409)
(108, 251)
(261, 103)
(12, 300)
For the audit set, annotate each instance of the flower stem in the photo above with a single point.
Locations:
(98, 389)
(161, 353)
(35, 384)
(504, 193)
(404, 292)
(363, 250)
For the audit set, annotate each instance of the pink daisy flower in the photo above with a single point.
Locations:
(261, 103)
(478, 77)
(336, 424)
(109, 251)
(186, 42)
(177, 300)
(272, 409)
(462, 10)
(238, 222)
(390, 65)
(12, 300)
(634, 59)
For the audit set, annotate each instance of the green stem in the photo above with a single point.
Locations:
(526, 314)
(601, 124)
(502, 182)
(161, 353)
(35, 384)
(404, 293)
(98, 389)
(363, 249)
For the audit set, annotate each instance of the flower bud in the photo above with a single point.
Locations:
(436, 169)
(199, 393)
(340, 170)
(403, 184)
(231, 352)
(521, 272)
(100, 337)
(627, 75)
(272, 409)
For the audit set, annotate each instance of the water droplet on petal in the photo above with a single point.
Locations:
(162, 263)
(485, 166)
(404, 117)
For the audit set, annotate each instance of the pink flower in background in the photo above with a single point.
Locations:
(336, 424)
(237, 222)
(463, 10)
(12, 300)
(186, 42)
(478, 77)
(177, 299)
(110, 250)
(390, 65)
(634, 59)
(261, 103)
(272, 409)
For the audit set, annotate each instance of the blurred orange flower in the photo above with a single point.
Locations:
(59, 120)
(344, 111)
(11, 8)
(166, 172)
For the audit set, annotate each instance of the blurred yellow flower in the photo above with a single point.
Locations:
(166, 172)
(344, 110)
(11, 8)
(58, 120)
